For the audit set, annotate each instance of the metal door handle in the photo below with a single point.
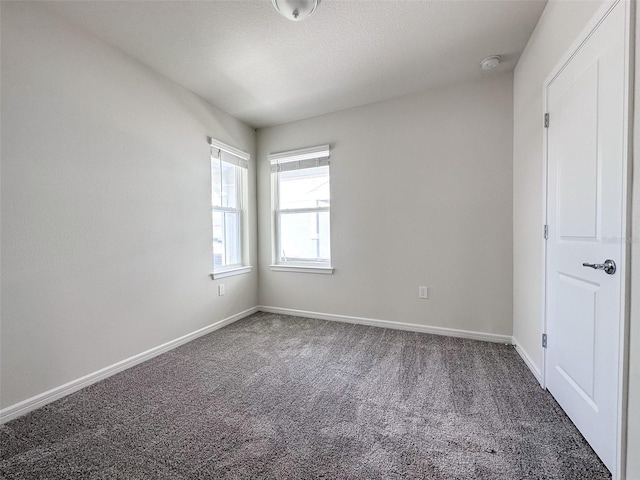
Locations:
(609, 266)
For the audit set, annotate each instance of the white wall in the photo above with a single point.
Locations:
(557, 28)
(106, 227)
(421, 195)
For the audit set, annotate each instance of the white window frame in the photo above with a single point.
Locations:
(289, 160)
(221, 152)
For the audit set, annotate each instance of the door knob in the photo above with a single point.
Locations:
(609, 266)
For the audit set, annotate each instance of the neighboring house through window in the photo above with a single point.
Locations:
(302, 210)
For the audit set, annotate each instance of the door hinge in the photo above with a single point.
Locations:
(546, 120)
(544, 340)
(546, 232)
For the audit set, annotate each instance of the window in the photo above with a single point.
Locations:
(302, 206)
(228, 184)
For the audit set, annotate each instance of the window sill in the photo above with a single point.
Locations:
(232, 272)
(302, 269)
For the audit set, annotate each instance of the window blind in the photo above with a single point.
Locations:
(300, 159)
(229, 154)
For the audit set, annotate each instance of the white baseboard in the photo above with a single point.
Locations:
(42, 399)
(374, 322)
(527, 360)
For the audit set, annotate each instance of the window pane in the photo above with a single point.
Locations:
(232, 238)
(307, 188)
(229, 185)
(304, 237)
(218, 240)
(215, 183)
(226, 239)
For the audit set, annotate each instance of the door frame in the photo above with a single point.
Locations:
(583, 36)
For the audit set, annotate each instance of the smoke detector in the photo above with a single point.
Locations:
(490, 63)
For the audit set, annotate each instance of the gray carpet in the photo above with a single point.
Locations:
(274, 397)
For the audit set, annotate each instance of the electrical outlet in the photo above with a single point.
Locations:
(423, 292)
(221, 289)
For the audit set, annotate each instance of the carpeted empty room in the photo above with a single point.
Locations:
(319, 239)
(275, 396)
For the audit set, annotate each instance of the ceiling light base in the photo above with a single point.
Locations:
(295, 10)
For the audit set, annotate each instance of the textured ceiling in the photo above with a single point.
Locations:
(265, 70)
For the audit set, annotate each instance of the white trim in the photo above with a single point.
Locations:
(527, 360)
(625, 313)
(232, 272)
(545, 238)
(302, 269)
(374, 322)
(228, 148)
(582, 38)
(321, 151)
(42, 399)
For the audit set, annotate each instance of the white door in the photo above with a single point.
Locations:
(585, 155)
